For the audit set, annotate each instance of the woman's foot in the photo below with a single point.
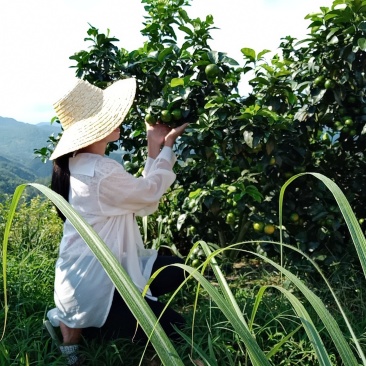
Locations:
(71, 353)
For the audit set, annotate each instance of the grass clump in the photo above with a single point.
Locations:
(259, 312)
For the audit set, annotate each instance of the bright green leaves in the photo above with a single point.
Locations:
(249, 53)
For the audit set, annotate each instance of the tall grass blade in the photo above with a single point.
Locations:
(328, 320)
(115, 271)
(211, 361)
(309, 326)
(353, 225)
(354, 228)
(14, 203)
(221, 280)
(280, 344)
(256, 355)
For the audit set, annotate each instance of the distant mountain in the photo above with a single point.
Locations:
(18, 163)
(18, 140)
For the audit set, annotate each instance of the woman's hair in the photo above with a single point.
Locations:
(60, 182)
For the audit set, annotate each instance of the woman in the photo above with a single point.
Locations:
(109, 199)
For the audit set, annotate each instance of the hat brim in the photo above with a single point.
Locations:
(117, 101)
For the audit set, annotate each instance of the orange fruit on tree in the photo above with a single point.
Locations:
(269, 229)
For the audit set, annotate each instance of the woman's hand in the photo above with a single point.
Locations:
(161, 134)
(155, 138)
(173, 134)
(156, 133)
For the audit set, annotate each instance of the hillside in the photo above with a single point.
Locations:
(18, 164)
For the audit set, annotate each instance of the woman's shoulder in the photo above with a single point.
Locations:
(107, 165)
(88, 164)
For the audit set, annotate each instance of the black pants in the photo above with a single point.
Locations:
(121, 323)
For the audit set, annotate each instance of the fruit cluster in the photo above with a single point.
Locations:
(183, 99)
(260, 227)
(197, 256)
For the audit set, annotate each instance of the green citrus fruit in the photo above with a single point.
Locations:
(258, 227)
(230, 218)
(150, 119)
(269, 229)
(338, 125)
(166, 116)
(348, 122)
(351, 99)
(192, 257)
(196, 263)
(329, 84)
(177, 114)
(212, 71)
(319, 81)
(294, 217)
(353, 132)
(191, 230)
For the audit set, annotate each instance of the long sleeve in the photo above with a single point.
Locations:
(120, 192)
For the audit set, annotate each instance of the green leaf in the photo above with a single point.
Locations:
(195, 193)
(260, 80)
(262, 53)
(230, 61)
(249, 53)
(362, 26)
(165, 53)
(362, 43)
(186, 30)
(181, 220)
(176, 82)
(248, 138)
(213, 57)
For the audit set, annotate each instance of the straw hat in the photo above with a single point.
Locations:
(88, 114)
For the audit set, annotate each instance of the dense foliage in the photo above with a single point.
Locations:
(306, 112)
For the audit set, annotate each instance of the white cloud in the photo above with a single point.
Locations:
(37, 37)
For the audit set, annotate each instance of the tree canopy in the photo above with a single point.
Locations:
(306, 112)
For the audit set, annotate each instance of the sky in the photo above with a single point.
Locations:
(37, 37)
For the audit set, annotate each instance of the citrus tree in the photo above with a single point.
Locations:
(318, 87)
(306, 112)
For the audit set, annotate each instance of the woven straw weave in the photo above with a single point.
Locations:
(89, 114)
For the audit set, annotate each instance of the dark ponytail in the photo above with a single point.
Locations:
(60, 182)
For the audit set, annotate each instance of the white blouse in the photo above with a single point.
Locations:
(108, 198)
